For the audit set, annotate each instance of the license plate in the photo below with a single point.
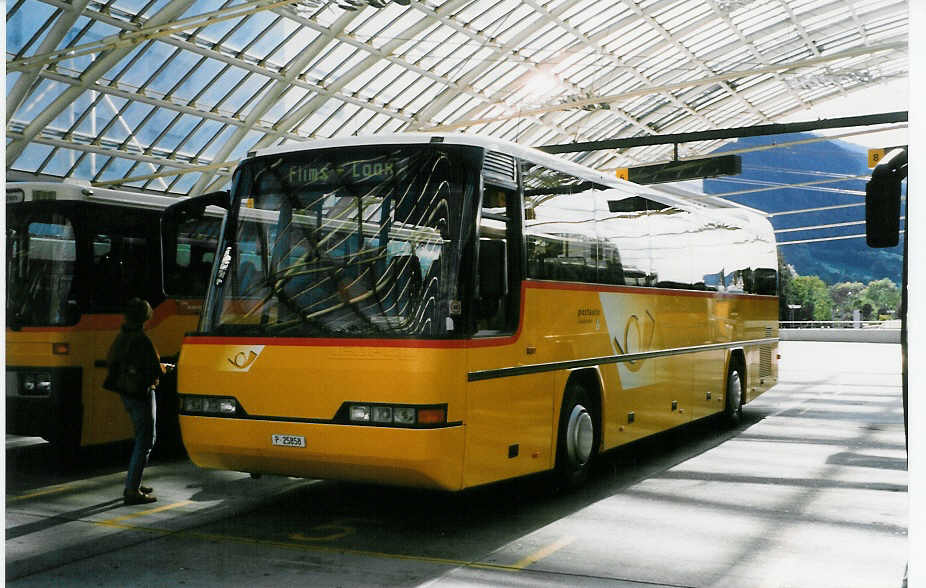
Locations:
(288, 440)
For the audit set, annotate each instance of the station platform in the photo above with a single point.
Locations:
(810, 490)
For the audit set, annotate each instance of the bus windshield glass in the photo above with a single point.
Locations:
(356, 242)
(41, 255)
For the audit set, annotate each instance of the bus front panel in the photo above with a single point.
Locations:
(295, 408)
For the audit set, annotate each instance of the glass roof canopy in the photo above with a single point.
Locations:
(168, 95)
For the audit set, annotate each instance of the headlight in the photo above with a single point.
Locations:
(405, 415)
(382, 414)
(35, 384)
(359, 413)
(394, 415)
(208, 405)
(43, 383)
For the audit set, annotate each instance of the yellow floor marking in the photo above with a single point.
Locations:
(544, 552)
(114, 522)
(38, 493)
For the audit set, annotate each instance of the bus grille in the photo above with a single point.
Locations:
(498, 166)
(765, 360)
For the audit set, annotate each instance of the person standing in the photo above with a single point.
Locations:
(134, 370)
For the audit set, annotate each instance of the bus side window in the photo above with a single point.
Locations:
(105, 272)
(498, 266)
(121, 270)
(47, 261)
(135, 268)
(188, 267)
(560, 240)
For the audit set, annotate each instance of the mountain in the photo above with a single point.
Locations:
(794, 163)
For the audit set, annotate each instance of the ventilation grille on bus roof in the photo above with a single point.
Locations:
(499, 167)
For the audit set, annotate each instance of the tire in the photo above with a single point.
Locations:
(578, 439)
(733, 398)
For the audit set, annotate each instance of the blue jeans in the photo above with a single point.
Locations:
(143, 413)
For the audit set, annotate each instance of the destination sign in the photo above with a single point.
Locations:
(352, 172)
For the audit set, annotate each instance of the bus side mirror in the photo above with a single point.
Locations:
(493, 269)
(882, 200)
(189, 233)
(191, 208)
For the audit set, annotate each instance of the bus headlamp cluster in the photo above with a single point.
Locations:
(35, 384)
(402, 416)
(208, 405)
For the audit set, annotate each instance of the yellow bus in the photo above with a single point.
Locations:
(75, 255)
(447, 311)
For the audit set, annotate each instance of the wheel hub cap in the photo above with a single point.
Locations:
(736, 393)
(580, 436)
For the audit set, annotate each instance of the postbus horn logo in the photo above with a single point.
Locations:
(244, 358)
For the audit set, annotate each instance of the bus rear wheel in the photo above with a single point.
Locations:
(578, 437)
(733, 399)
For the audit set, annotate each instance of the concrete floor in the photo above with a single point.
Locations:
(810, 491)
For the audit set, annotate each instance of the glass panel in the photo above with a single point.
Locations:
(41, 259)
(187, 272)
(46, 92)
(670, 230)
(359, 242)
(559, 225)
(624, 233)
(22, 26)
(499, 261)
(120, 262)
(11, 79)
(32, 157)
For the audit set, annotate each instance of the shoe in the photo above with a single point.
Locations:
(137, 497)
(146, 489)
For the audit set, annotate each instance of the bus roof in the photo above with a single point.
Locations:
(17, 192)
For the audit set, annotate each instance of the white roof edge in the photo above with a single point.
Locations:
(71, 190)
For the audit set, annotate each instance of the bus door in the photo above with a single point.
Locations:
(120, 268)
(509, 419)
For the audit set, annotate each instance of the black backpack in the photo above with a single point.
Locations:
(123, 376)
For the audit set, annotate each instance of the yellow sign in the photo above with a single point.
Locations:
(876, 155)
(623, 173)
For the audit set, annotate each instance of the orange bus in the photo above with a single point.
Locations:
(75, 255)
(447, 311)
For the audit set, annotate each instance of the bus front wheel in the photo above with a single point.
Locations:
(733, 399)
(578, 437)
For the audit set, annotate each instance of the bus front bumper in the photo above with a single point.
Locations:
(52, 411)
(428, 458)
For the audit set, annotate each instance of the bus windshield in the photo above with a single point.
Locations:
(41, 258)
(358, 242)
